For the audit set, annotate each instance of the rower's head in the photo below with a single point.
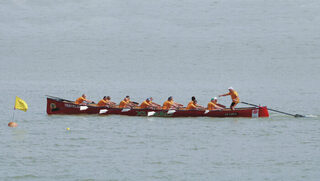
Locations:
(170, 98)
(195, 101)
(125, 99)
(230, 89)
(108, 98)
(214, 100)
(193, 98)
(128, 97)
(151, 99)
(148, 99)
(105, 98)
(84, 96)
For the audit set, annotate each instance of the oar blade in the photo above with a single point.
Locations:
(151, 113)
(83, 108)
(125, 110)
(102, 111)
(171, 111)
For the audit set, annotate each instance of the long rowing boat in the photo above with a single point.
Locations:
(57, 105)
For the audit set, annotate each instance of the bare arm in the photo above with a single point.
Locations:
(218, 107)
(224, 94)
(88, 101)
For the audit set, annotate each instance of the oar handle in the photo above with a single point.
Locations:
(249, 104)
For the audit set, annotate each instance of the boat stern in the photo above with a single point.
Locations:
(263, 111)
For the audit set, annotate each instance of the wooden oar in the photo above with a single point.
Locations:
(134, 102)
(220, 105)
(295, 115)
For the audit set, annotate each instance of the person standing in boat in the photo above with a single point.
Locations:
(170, 104)
(106, 102)
(83, 100)
(234, 96)
(212, 105)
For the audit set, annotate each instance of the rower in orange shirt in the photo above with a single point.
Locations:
(153, 104)
(83, 100)
(146, 104)
(131, 103)
(212, 105)
(170, 104)
(193, 105)
(106, 102)
(124, 103)
(234, 96)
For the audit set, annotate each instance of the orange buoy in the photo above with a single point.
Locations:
(12, 124)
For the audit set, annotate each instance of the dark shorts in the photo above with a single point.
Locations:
(232, 104)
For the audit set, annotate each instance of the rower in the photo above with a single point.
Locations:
(155, 105)
(131, 103)
(105, 102)
(124, 103)
(193, 105)
(83, 100)
(212, 105)
(146, 104)
(170, 104)
(234, 96)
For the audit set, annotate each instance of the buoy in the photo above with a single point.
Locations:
(68, 129)
(12, 124)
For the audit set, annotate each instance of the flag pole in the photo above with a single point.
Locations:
(12, 124)
(14, 110)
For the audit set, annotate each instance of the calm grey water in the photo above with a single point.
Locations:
(269, 51)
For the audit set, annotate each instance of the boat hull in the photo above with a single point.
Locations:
(60, 106)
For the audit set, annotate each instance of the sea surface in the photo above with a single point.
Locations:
(269, 51)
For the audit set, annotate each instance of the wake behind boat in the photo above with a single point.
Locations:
(57, 105)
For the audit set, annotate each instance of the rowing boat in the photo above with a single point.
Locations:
(57, 105)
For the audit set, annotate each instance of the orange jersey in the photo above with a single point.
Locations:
(123, 104)
(167, 104)
(211, 106)
(235, 96)
(191, 105)
(144, 105)
(102, 102)
(80, 100)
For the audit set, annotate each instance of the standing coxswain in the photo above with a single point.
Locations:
(234, 96)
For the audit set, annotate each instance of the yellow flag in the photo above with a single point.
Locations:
(20, 104)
